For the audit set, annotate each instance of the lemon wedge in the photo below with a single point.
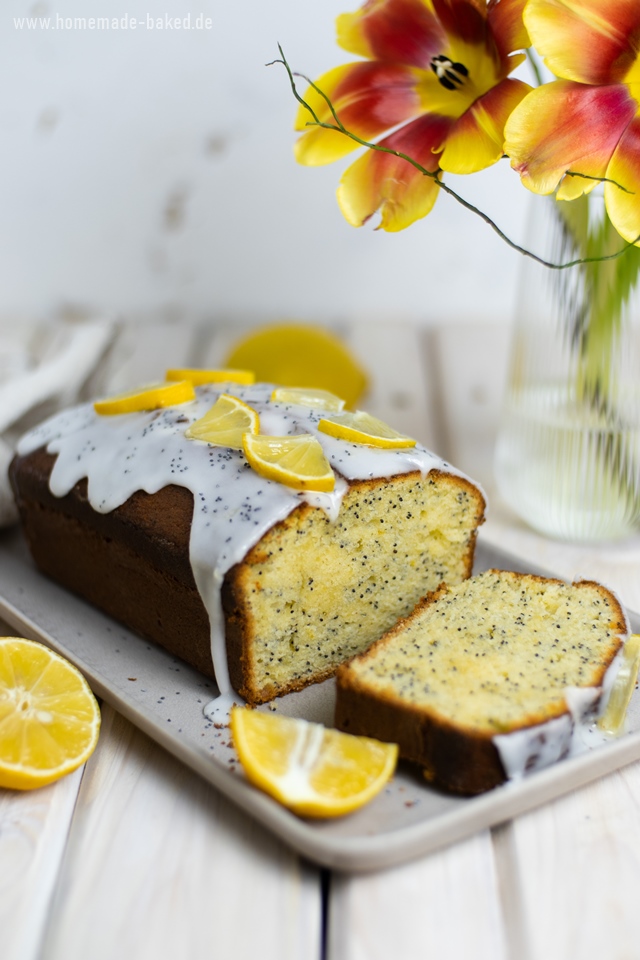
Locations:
(360, 427)
(152, 397)
(199, 377)
(612, 720)
(297, 461)
(225, 423)
(308, 397)
(49, 719)
(301, 355)
(314, 771)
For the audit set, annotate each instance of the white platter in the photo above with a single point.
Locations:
(165, 698)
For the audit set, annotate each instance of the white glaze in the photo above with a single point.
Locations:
(233, 506)
(533, 748)
(523, 751)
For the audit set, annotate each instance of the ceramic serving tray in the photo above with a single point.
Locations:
(165, 698)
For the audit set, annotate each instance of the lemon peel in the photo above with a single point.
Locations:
(312, 770)
(225, 423)
(360, 427)
(152, 397)
(308, 397)
(612, 720)
(200, 377)
(296, 461)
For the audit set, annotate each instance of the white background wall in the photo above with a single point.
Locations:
(151, 171)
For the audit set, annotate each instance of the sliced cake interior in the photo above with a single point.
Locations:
(500, 653)
(313, 593)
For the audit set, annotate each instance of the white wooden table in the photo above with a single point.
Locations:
(135, 857)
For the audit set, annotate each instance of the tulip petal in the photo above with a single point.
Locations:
(624, 208)
(591, 41)
(509, 31)
(396, 31)
(476, 140)
(369, 98)
(566, 126)
(464, 21)
(573, 186)
(382, 181)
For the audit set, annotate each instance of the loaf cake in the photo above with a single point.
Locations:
(486, 680)
(260, 585)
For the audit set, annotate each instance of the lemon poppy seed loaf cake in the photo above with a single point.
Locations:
(486, 680)
(264, 586)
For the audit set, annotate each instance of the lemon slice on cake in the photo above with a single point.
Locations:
(360, 427)
(297, 461)
(49, 719)
(152, 397)
(312, 770)
(612, 720)
(309, 397)
(225, 423)
(199, 377)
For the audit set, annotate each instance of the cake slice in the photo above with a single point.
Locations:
(486, 680)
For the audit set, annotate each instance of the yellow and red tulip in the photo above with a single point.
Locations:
(587, 121)
(436, 74)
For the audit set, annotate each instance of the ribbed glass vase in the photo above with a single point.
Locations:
(568, 451)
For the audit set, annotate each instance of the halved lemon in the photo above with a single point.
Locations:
(612, 720)
(301, 355)
(360, 427)
(199, 377)
(225, 423)
(49, 719)
(297, 461)
(151, 397)
(308, 397)
(312, 770)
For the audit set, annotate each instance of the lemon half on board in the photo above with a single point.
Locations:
(312, 770)
(297, 461)
(360, 427)
(225, 423)
(152, 397)
(49, 719)
(297, 355)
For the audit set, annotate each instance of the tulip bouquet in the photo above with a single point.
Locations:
(433, 93)
(437, 73)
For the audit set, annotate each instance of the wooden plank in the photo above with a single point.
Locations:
(445, 906)
(160, 865)
(415, 911)
(216, 341)
(399, 389)
(33, 833)
(141, 353)
(576, 872)
(575, 864)
(470, 367)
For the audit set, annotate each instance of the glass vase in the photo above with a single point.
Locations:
(568, 450)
